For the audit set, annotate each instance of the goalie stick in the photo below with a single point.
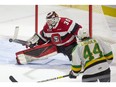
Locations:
(14, 39)
(18, 41)
(55, 78)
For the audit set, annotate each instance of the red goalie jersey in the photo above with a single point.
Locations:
(63, 33)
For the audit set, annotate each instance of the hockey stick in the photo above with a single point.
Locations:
(55, 78)
(14, 39)
(18, 41)
(12, 79)
(15, 34)
(59, 77)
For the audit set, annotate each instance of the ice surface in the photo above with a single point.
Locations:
(38, 70)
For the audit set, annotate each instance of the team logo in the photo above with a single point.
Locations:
(56, 39)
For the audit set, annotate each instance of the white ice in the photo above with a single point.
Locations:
(58, 65)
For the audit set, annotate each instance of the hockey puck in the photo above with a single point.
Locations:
(10, 40)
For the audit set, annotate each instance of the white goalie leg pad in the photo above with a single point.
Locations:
(22, 59)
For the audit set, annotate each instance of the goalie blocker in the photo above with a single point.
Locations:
(36, 53)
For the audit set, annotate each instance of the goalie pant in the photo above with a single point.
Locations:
(36, 53)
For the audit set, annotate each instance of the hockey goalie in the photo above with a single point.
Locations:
(57, 36)
(35, 51)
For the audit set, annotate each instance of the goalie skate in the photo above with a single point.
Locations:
(35, 53)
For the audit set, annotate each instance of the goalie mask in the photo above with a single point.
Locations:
(52, 19)
(83, 33)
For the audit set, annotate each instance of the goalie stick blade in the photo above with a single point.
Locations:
(12, 79)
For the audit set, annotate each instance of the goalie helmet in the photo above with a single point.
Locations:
(82, 33)
(52, 18)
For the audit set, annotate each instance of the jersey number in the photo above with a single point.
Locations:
(67, 21)
(88, 54)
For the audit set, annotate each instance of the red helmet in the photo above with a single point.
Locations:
(52, 14)
(52, 19)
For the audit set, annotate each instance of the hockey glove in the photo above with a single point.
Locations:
(71, 75)
(33, 40)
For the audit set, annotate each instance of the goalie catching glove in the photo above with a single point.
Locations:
(33, 41)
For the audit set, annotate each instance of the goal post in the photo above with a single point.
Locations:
(36, 19)
(90, 20)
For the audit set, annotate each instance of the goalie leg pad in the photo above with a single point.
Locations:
(21, 59)
(24, 59)
(38, 52)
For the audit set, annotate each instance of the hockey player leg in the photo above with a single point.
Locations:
(89, 78)
(105, 76)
